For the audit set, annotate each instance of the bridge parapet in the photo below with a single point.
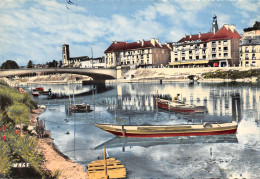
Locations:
(94, 73)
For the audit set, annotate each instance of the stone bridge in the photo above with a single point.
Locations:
(97, 74)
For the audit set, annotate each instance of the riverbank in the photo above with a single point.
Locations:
(54, 161)
(160, 75)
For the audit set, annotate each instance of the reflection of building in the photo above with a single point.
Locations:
(82, 61)
(250, 47)
(216, 48)
(135, 54)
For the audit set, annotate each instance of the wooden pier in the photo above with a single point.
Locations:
(106, 168)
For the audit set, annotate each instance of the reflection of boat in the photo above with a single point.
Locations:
(38, 89)
(148, 142)
(179, 106)
(169, 130)
(80, 108)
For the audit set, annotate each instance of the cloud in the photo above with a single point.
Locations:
(252, 6)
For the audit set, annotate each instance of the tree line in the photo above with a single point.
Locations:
(10, 64)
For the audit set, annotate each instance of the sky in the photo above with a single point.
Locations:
(36, 29)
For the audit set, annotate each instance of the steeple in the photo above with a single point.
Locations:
(214, 24)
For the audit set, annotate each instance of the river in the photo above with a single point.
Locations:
(176, 157)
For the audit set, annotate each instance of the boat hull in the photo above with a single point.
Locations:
(178, 107)
(169, 131)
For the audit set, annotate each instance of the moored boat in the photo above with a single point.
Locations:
(35, 94)
(179, 106)
(80, 108)
(38, 89)
(169, 130)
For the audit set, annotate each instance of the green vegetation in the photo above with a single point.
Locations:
(30, 64)
(15, 109)
(9, 64)
(234, 74)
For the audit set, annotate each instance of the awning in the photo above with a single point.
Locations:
(190, 62)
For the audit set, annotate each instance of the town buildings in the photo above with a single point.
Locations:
(137, 54)
(218, 48)
(250, 46)
(80, 62)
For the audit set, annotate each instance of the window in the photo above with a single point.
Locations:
(176, 59)
(213, 55)
(253, 56)
(190, 52)
(204, 57)
(190, 57)
(246, 57)
(219, 54)
(219, 49)
(183, 58)
(213, 44)
(197, 57)
(225, 42)
(225, 49)
(204, 45)
(197, 51)
(246, 64)
(204, 51)
(253, 64)
(253, 49)
(213, 49)
(219, 42)
(246, 50)
(225, 54)
(250, 41)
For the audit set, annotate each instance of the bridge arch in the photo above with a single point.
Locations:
(97, 74)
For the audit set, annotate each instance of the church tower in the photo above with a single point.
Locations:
(214, 24)
(66, 54)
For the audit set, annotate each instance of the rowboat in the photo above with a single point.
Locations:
(38, 89)
(35, 94)
(179, 106)
(169, 130)
(80, 108)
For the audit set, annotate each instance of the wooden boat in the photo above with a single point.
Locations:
(38, 89)
(45, 92)
(179, 106)
(35, 94)
(169, 130)
(106, 168)
(80, 108)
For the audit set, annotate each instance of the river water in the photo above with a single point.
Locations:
(175, 157)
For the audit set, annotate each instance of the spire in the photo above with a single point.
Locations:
(214, 24)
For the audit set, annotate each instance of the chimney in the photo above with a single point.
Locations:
(138, 41)
(190, 36)
(199, 34)
(157, 40)
(153, 41)
(143, 42)
(160, 44)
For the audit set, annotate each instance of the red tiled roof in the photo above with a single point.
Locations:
(119, 46)
(225, 33)
(202, 37)
(165, 47)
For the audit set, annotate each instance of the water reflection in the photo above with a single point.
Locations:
(135, 104)
(148, 142)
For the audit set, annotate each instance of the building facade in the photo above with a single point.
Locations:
(93, 63)
(137, 54)
(250, 47)
(71, 61)
(218, 48)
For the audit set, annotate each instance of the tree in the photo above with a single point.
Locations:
(60, 64)
(54, 63)
(9, 64)
(30, 64)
